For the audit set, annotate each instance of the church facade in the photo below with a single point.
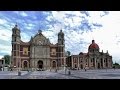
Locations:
(38, 53)
(93, 59)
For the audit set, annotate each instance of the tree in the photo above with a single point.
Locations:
(116, 63)
(69, 53)
(7, 59)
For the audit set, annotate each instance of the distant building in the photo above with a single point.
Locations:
(93, 59)
(38, 53)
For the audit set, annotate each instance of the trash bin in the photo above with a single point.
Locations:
(19, 73)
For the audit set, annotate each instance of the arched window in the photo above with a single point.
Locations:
(25, 64)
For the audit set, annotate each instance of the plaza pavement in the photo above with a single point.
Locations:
(96, 74)
(75, 74)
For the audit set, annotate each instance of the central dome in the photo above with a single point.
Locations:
(93, 45)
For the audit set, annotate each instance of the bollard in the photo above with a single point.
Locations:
(19, 73)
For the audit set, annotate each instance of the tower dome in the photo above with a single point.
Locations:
(60, 33)
(93, 45)
(16, 27)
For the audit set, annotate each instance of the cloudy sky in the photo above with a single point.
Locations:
(80, 27)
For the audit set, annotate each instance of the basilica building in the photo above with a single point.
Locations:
(38, 53)
(93, 59)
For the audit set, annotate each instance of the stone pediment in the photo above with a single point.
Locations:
(40, 39)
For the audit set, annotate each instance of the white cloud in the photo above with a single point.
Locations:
(25, 37)
(22, 13)
(3, 21)
(49, 18)
(16, 12)
(29, 26)
(5, 49)
(1, 56)
(5, 34)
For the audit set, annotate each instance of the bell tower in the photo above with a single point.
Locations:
(61, 38)
(61, 49)
(15, 46)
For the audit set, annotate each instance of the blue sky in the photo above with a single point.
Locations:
(80, 27)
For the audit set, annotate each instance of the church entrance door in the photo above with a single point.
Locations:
(54, 64)
(81, 66)
(40, 65)
(98, 65)
(25, 65)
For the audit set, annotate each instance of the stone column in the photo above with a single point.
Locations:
(72, 61)
(108, 62)
(78, 63)
(95, 63)
(36, 61)
(89, 60)
(46, 64)
(34, 64)
(103, 62)
(111, 63)
(100, 63)
(20, 64)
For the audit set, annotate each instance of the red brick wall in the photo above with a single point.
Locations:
(51, 52)
(21, 47)
(21, 50)
(14, 62)
(25, 59)
(22, 55)
(62, 61)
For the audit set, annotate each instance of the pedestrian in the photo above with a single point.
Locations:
(65, 70)
(69, 73)
(85, 69)
(114, 67)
